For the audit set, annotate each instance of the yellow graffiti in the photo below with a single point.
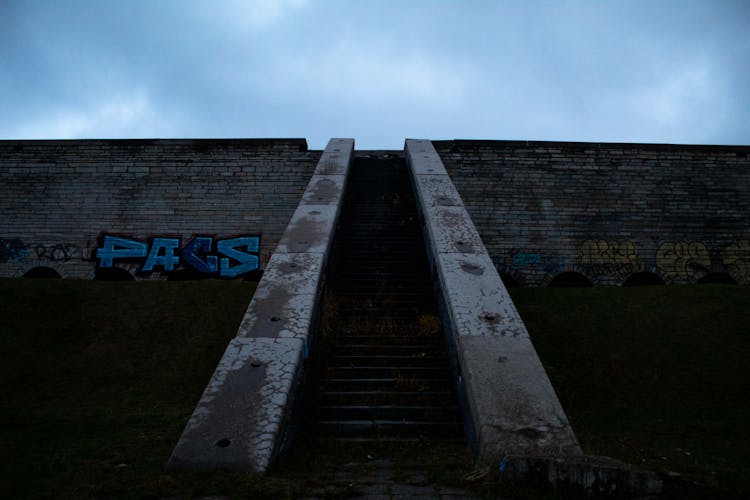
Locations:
(683, 260)
(610, 257)
(736, 259)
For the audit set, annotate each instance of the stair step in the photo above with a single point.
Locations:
(387, 397)
(412, 373)
(415, 359)
(400, 413)
(389, 384)
(391, 427)
(387, 373)
(366, 339)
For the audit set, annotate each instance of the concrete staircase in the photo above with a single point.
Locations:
(384, 371)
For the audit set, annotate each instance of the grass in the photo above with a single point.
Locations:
(98, 380)
(655, 376)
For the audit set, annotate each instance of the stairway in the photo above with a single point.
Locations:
(384, 372)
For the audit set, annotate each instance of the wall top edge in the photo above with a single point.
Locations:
(459, 144)
(379, 152)
(301, 143)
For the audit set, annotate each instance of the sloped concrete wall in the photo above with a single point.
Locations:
(241, 419)
(606, 211)
(58, 197)
(511, 403)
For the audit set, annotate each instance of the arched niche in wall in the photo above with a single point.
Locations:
(253, 275)
(643, 279)
(187, 274)
(716, 279)
(570, 279)
(113, 274)
(42, 272)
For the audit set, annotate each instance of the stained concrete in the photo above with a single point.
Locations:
(577, 477)
(513, 407)
(241, 419)
(237, 422)
(477, 301)
(309, 230)
(324, 190)
(447, 228)
(284, 301)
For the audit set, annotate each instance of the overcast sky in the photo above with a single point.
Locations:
(378, 71)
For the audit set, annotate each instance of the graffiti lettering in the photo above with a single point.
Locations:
(200, 244)
(12, 250)
(682, 259)
(17, 250)
(526, 259)
(736, 259)
(248, 259)
(236, 256)
(162, 254)
(609, 257)
(119, 248)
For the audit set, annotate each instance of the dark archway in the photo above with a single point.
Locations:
(643, 279)
(113, 274)
(717, 279)
(187, 274)
(570, 279)
(253, 275)
(509, 281)
(43, 273)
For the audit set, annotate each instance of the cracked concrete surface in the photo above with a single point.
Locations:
(239, 421)
(511, 400)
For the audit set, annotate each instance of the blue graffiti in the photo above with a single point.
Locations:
(236, 256)
(162, 254)
(12, 250)
(248, 259)
(527, 259)
(119, 248)
(201, 244)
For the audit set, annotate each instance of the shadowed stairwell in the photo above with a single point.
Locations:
(382, 397)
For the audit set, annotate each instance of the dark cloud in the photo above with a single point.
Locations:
(377, 71)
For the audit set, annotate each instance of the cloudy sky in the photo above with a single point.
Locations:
(377, 70)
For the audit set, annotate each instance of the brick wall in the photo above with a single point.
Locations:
(606, 211)
(57, 197)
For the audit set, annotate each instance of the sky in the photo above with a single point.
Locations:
(377, 70)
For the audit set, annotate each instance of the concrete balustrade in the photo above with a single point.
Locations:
(241, 418)
(512, 405)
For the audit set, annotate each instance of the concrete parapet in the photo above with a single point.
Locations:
(240, 420)
(513, 407)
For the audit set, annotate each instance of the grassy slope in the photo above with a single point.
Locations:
(656, 376)
(98, 380)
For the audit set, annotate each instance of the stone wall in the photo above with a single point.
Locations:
(58, 197)
(606, 211)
